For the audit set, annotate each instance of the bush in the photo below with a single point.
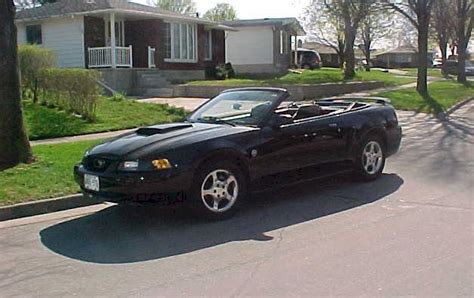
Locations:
(33, 60)
(220, 72)
(118, 96)
(74, 90)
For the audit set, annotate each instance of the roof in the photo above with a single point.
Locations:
(81, 7)
(401, 50)
(319, 47)
(293, 22)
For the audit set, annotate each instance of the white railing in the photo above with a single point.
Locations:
(102, 57)
(151, 57)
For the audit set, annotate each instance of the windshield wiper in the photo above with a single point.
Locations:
(216, 120)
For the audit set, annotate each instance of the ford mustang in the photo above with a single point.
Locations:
(228, 147)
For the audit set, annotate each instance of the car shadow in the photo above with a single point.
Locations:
(126, 234)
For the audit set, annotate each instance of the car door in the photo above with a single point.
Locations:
(322, 140)
(299, 145)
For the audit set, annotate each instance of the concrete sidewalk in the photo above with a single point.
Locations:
(88, 137)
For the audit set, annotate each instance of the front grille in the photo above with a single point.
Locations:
(96, 164)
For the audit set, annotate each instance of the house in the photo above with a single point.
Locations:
(125, 41)
(403, 56)
(262, 46)
(328, 54)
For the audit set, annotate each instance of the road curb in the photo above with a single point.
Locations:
(45, 206)
(458, 106)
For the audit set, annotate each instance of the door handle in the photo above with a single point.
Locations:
(333, 125)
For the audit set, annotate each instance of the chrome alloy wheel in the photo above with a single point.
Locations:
(372, 157)
(219, 191)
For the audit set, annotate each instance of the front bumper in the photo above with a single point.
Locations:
(136, 186)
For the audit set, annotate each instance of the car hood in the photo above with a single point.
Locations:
(160, 138)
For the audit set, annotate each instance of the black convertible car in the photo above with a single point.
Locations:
(235, 140)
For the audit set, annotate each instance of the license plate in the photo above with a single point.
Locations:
(91, 182)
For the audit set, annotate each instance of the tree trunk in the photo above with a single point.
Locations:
(461, 61)
(443, 46)
(462, 45)
(422, 81)
(349, 56)
(14, 145)
(367, 56)
(340, 55)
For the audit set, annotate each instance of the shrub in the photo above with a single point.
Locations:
(33, 60)
(74, 90)
(220, 72)
(118, 96)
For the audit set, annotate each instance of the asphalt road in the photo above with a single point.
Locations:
(409, 233)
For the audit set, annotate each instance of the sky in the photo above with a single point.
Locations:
(255, 9)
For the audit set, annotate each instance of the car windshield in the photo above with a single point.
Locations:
(246, 107)
(469, 64)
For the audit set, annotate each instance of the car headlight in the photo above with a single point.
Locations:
(153, 165)
(129, 165)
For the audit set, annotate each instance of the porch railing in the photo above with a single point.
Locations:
(151, 57)
(102, 57)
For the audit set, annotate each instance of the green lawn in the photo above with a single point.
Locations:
(442, 96)
(432, 72)
(50, 176)
(318, 76)
(43, 122)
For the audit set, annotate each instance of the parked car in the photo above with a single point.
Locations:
(308, 59)
(230, 144)
(437, 63)
(452, 67)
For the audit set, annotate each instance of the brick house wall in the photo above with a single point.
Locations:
(143, 33)
(94, 34)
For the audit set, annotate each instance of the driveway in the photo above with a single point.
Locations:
(409, 233)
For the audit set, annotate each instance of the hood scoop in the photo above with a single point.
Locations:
(161, 129)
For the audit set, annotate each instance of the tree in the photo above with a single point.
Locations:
(464, 22)
(14, 145)
(351, 12)
(443, 25)
(25, 4)
(221, 12)
(373, 27)
(418, 12)
(326, 28)
(181, 6)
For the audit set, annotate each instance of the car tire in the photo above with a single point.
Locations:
(218, 189)
(370, 158)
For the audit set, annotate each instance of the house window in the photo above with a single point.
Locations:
(208, 45)
(283, 42)
(33, 34)
(180, 42)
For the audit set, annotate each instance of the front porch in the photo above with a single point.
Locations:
(113, 57)
(106, 44)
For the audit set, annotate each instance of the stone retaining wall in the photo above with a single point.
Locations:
(299, 92)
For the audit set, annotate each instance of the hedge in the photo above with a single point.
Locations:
(74, 90)
(33, 60)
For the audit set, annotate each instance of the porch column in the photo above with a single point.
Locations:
(113, 52)
(296, 51)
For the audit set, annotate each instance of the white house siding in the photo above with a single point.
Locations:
(21, 33)
(250, 46)
(65, 36)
